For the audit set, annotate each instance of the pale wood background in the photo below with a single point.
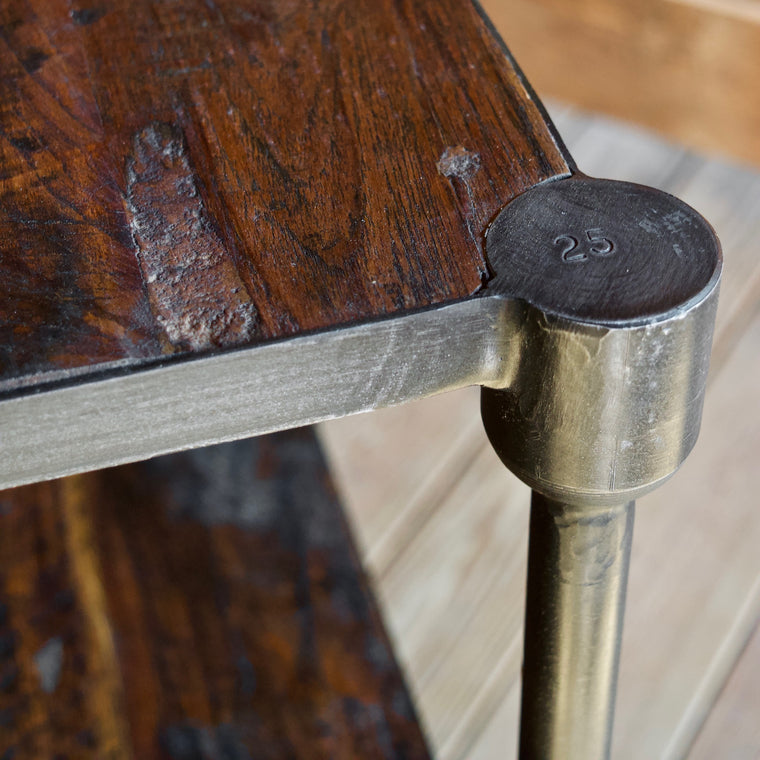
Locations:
(442, 526)
(688, 68)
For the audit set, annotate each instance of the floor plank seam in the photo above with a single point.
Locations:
(434, 484)
(715, 677)
(718, 696)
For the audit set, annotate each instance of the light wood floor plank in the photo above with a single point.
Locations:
(471, 559)
(395, 465)
(732, 731)
(615, 150)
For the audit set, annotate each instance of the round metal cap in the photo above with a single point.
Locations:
(613, 291)
(602, 251)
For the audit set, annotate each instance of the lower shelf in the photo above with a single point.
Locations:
(206, 605)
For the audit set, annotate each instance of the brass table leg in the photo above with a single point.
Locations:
(609, 294)
(577, 573)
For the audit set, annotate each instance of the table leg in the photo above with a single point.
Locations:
(609, 291)
(577, 574)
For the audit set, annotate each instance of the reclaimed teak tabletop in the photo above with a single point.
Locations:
(224, 218)
(220, 219)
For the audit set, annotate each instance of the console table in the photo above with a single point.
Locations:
(224, 219)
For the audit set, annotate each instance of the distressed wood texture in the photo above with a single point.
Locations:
(203, 605)
(179, 178)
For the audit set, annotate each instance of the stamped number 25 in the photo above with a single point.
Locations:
(574, 250)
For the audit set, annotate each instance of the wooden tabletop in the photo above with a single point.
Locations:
(186, 177)
(201, 179)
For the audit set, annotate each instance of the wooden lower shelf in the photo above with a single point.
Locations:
(202, 605)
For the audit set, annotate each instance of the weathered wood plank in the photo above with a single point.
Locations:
(207, 604)
(184, 178)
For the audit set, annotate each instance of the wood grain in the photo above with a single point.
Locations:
(470, 564)
(688, 69)
(207, 604)
(183, 178)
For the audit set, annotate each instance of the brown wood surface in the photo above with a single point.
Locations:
(199, 606)
(183, 177)
(687, 68)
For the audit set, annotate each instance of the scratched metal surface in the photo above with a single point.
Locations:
(184, 178)
(205, 605)
(131, 416)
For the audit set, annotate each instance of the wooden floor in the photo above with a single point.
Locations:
(442, 525)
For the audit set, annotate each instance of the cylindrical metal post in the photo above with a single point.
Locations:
(610, 291)
(577, 573)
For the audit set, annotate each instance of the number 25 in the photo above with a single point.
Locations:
(598, 246)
